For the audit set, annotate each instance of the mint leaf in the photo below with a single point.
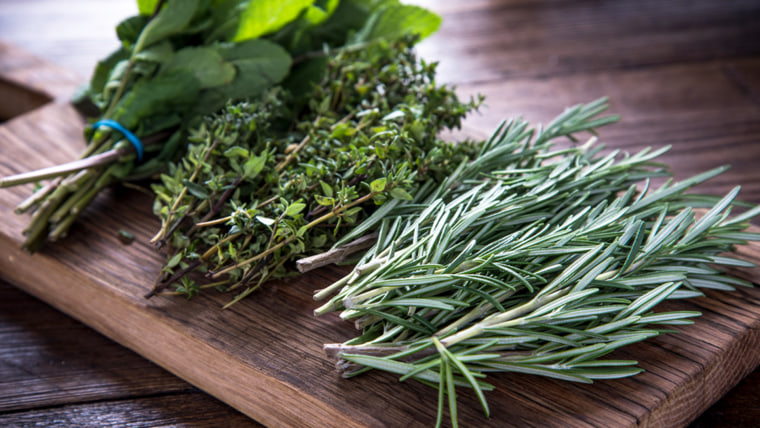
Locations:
(103, 70)
(166, 93)
(260, 65)
(263, 17)
(128, 30)
(319, 12)
(146, 7)
(206, 64)
(158, 52)
(393, 20)
(173, 19)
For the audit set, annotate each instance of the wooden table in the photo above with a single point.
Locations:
(685, 73)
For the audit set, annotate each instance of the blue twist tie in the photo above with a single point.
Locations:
(132, 138)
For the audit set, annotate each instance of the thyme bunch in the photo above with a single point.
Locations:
(287, 175)
(543, 264)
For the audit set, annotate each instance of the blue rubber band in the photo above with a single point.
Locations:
(132, 138)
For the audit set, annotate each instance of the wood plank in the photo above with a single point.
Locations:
(187, 409)
(737, 409)
(729, 112)
(50, 360)
(507, 39)
(264, 356)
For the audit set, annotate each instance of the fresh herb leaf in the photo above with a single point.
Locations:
(263, 17)
(206, 64)
(393, 19)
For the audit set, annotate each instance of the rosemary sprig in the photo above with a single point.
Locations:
(543, 262)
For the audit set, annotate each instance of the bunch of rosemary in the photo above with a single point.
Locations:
(286, 175)
(543, 262)
(182, 59)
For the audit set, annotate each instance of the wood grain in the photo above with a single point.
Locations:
(497, 40)
(190, 410)
(739, 408)
(50, 361)
(681, 74)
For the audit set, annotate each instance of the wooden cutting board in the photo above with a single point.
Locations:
(264, 356)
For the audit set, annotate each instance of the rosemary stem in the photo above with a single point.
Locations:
(351, 301)
(368, 268)
(475, 313)
(333, 350)
(335, 255)
(501, 319)
(531, 305)
(321, 294)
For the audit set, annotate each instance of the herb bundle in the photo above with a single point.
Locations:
(181, 60)
(305, 126)
(541, 263)
(285, 176)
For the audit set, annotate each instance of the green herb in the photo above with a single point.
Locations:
(309, 128)
(125, 237)
(181, 60)
(533, 260)
(286, 176)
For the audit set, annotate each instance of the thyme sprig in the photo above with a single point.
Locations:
(289, 174)
(542, 263)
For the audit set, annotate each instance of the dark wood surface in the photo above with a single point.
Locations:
(685, 73)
